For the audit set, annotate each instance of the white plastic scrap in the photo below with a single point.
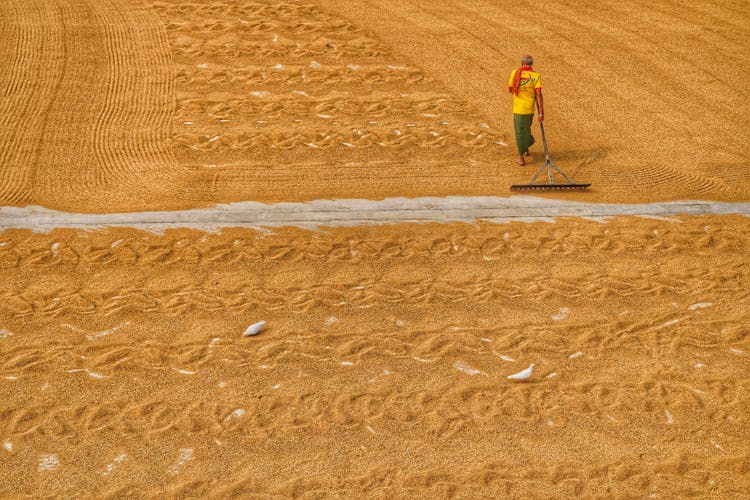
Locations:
(254, 329)
(523, 374)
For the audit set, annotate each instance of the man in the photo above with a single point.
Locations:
(526, 86)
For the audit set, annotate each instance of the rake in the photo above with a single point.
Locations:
(549, 165)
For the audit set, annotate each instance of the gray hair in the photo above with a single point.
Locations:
(527, 60)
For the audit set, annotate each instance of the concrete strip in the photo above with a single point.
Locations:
(353, 212)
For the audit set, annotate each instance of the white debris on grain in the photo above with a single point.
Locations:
(111, 466)
(254, 329)
(668, 323)
(186, 454)
(238, 413)
(561, 314)
(504, 357)
(523, 374)
(463, 367)
(47, 463)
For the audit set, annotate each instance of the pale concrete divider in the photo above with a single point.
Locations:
(355, 212)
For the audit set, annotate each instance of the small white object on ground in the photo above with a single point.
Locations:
(504, 357)
(95, 375)
(699, 305)
(111, 466)
(254, 329)
(669, 323)
(562, 314)
(463, 367)
(186, 455)
(523, 374)
(47, 462)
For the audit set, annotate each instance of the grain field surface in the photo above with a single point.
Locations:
(534, 356)
(128, 105)
(382, 370)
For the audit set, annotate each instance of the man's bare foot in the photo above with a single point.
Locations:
(521, 161)
(527, 153)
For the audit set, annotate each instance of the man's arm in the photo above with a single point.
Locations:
(540, 105)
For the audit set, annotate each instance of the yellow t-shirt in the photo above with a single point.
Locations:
(523, 103)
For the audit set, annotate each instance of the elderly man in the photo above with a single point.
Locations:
(526, 86)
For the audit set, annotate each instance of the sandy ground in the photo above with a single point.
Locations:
(382, 371)
(383, 368)
(128, 105)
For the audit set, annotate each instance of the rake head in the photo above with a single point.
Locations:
(545, 187)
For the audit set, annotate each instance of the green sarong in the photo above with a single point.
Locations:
(522, 126)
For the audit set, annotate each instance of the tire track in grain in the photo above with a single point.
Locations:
(693, 336)
(24, 251)
(483, 479)
(243, 297)
(445, 412)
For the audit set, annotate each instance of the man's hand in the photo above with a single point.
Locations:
(540, 118)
